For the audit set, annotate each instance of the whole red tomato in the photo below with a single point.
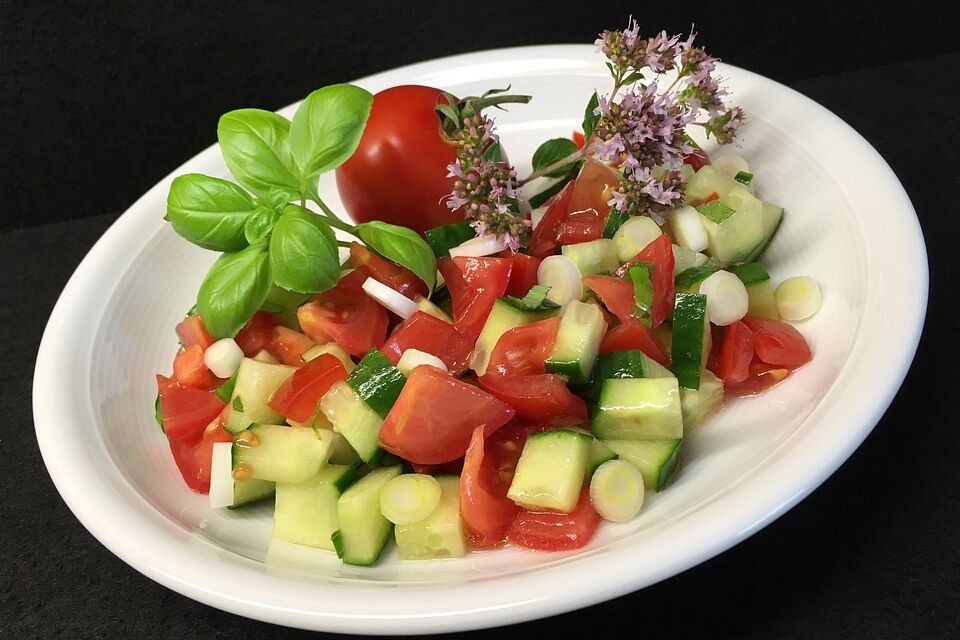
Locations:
(398, 174)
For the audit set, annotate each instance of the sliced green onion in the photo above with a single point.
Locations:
(616, 490)
(409, 498)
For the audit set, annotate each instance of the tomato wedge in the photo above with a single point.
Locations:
(582, 226)
(474, 284)
(190, 370)
(552, 531)
(393, 275)
(591, 190)
(186, 411)
(778, 343)
(616, 294)
(434, 416)
(523, 273)
(736, 353)
(191, 331)
(578, 139)
(288, 345)
(543, 240)
(523, 350)
(633, 335)
(298, 396)
(256, 334)
(761, 376)
(659, 253)
(486, 514)
(426, 333)
(542, 398)
(347, 315)
(193, 457)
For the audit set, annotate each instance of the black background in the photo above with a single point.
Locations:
(101, 100)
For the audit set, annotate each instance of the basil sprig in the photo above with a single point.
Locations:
(269, 239)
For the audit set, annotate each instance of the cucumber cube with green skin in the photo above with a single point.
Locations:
(503, 317)
(691, 338)
(631, 363)
(737, 236)
(656, 459)
(759, 289)
(256, 382)
(578, 340)
(551, 470)
(445, 237)
(439, 535)
(688, 281)
(305, 513)
(638, 409)
(353, 418)
(363, 531)
(282, 454)
(599, 453)
(771, 219)
(225, 490)
(377, 381)
(698, 405)
(593, 257)
(706, 181)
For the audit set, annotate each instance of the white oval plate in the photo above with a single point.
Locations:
(849, 225)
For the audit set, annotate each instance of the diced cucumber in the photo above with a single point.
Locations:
(237, 421)
(305, 513)
(363, 531)
(502, 318)
(596, 256)
(265, 356)
(256, 382)
(688, 281)
(626, 364)
(578, 340)
(281, 454)
(341, 453)
(441, 239)
(333, 349)
(377, 381)
(225, 491)
(759, 289)
(772, 217)
(738, 235)
(424, 304)
(707, 181)
(698, 405)
(638, 409)
(691, 338)
(684, 259)
(551, 470)
(599, 453)
(656, 459)
(353, 419)
(439, 535)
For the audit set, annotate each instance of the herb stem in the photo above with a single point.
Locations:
(562, 162)
(333, 220)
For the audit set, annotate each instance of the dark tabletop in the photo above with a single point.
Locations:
(873, 553)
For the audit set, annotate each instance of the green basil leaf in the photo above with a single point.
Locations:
(589, 117)
(403, 246)
(327, 126)
(233, 290)
(259, 225)
(534, 300)
(256, 147)
(553, 151)
(209, 212)
(303, 252)
(541, 198)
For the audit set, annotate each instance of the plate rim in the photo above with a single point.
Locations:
(769, 505)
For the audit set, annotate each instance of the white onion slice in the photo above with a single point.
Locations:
(480, 246)
(413, 358)
(727, 299)
(686, 223)
(634, 235)
(223, 357)
(563, 277)
(392, 300)
(798, 298)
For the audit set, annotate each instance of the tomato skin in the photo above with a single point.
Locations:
(778, 343)
(697, 159)
(761, 376)
(190, 370)
(543, 240)
(582, 226)
(474, 284)
(186, 411)
(552, 531)
(523, 272)
(288, 345)
(659, 253)
(256, 334)
(435, 415)
(588, 210)
(578, 139)
(398, 174)
(432, 335)
(486, 514)
(347, 315)
(523, 350)
(394, 276)
(616, 294)
(194, 455)
(633, 335)
(298, 396)
(736, 353)
(191, 331)
(542, 398)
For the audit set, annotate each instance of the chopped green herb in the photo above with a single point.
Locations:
(535, 300)
(237, 404)
(641, 275)
(743, 177)
(716, 211)
(614, 221)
